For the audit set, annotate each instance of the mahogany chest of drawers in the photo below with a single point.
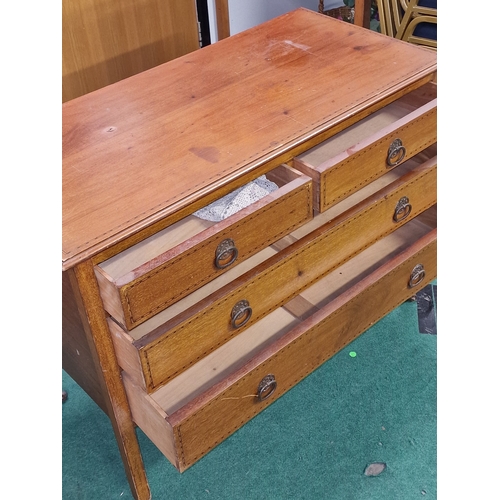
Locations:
(188, 327)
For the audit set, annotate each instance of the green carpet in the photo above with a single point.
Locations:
(313, 443)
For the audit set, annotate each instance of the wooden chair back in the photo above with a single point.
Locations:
(403, 19)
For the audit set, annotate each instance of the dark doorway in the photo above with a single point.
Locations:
(204, 22)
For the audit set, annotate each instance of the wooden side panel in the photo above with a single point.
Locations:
(313, 173)
(149, 416)
(126, 354)
(109, 294)
(77, 359)
(218, 413)
(104, 41)
(207, 325)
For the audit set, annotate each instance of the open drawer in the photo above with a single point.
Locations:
(178, 337)
(202, 406)
(368, 149)
(155, 273)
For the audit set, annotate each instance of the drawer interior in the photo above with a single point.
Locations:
(369, 126)
(239, 350)
(152, 248)
(353, 271)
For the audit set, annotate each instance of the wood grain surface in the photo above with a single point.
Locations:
(144, 148)
(104, 41)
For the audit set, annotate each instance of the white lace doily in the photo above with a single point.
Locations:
(236, 200)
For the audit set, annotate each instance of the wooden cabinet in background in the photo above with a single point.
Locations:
(104, 41)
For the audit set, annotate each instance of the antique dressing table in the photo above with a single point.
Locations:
(188, 328)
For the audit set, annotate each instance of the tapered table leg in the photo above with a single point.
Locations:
(101, 347)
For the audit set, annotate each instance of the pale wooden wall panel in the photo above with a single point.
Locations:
(107, 40)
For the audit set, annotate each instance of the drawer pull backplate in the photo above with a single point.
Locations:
(266, 387)
(402, 210)
(241, 314)
(396, 153)
(225, 254)
(416, 276)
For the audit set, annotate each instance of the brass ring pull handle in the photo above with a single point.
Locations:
(417, 275)
(225, 254)
(402, 210)
(396, 153)
(266, 387)
(241, 314)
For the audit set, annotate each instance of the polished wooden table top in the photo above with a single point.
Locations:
(156, 143)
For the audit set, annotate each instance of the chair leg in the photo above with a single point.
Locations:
(362, 10)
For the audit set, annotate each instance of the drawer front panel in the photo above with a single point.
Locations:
(339, 176)
(174, 347)
(148, 290)
(360, 168)
(230, 404)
